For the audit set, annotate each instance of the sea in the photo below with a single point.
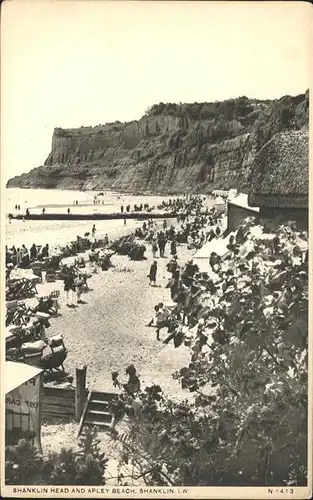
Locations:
(57, 233)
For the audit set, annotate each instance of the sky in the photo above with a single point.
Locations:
(72, 63)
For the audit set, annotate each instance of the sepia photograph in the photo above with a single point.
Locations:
(155, 243)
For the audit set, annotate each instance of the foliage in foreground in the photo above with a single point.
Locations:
(23, 464)
(247, 424)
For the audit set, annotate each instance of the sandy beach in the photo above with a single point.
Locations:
(108, 332)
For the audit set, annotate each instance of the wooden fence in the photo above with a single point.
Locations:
(57, 403)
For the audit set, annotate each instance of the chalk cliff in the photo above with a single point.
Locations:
(173, 148)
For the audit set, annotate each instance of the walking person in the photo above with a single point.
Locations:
(79, 285)
(154, 248)
(45, 251)
(69, 285)
(153, 272)
(161, 242)
(173, 247)
(93, 231)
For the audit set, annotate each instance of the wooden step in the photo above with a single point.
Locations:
(103, 396)
(94, 421)
(101, 416)
(96, 410)
(96, 404)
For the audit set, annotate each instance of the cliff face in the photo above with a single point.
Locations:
(173, 149)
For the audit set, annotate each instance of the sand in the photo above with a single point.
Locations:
(108, 332)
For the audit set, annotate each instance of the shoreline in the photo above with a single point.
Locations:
(108, 190)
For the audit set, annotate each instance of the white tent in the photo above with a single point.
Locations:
(219, 204)
(202, 256)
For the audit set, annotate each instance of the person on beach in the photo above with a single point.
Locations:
(93, 231)
(43, 211)
(18, 257)
(69, 287)
(172, 264)
(45, 251)
(122, 209)
(13, 252)
(173, 247)
(159, 320)
(25, 256)
(214, 261)
(154, 247)
(174, 285)
(78, 282)
(106, 239)
(153, 272)
(154, 319)
(189, 241)
(133, 384)
(231, 244)
(162, 243)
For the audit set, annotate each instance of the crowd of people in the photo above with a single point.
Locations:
(194, 293)
(191, 204)
(194, 233)
(23, 256)
(137, 208)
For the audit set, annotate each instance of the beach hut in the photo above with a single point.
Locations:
(280, 178)
(23, 386)
(232, 193)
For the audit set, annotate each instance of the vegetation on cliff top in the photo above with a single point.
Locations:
(264, 116)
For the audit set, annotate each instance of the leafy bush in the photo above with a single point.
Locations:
(247, 424)
(23, 464)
